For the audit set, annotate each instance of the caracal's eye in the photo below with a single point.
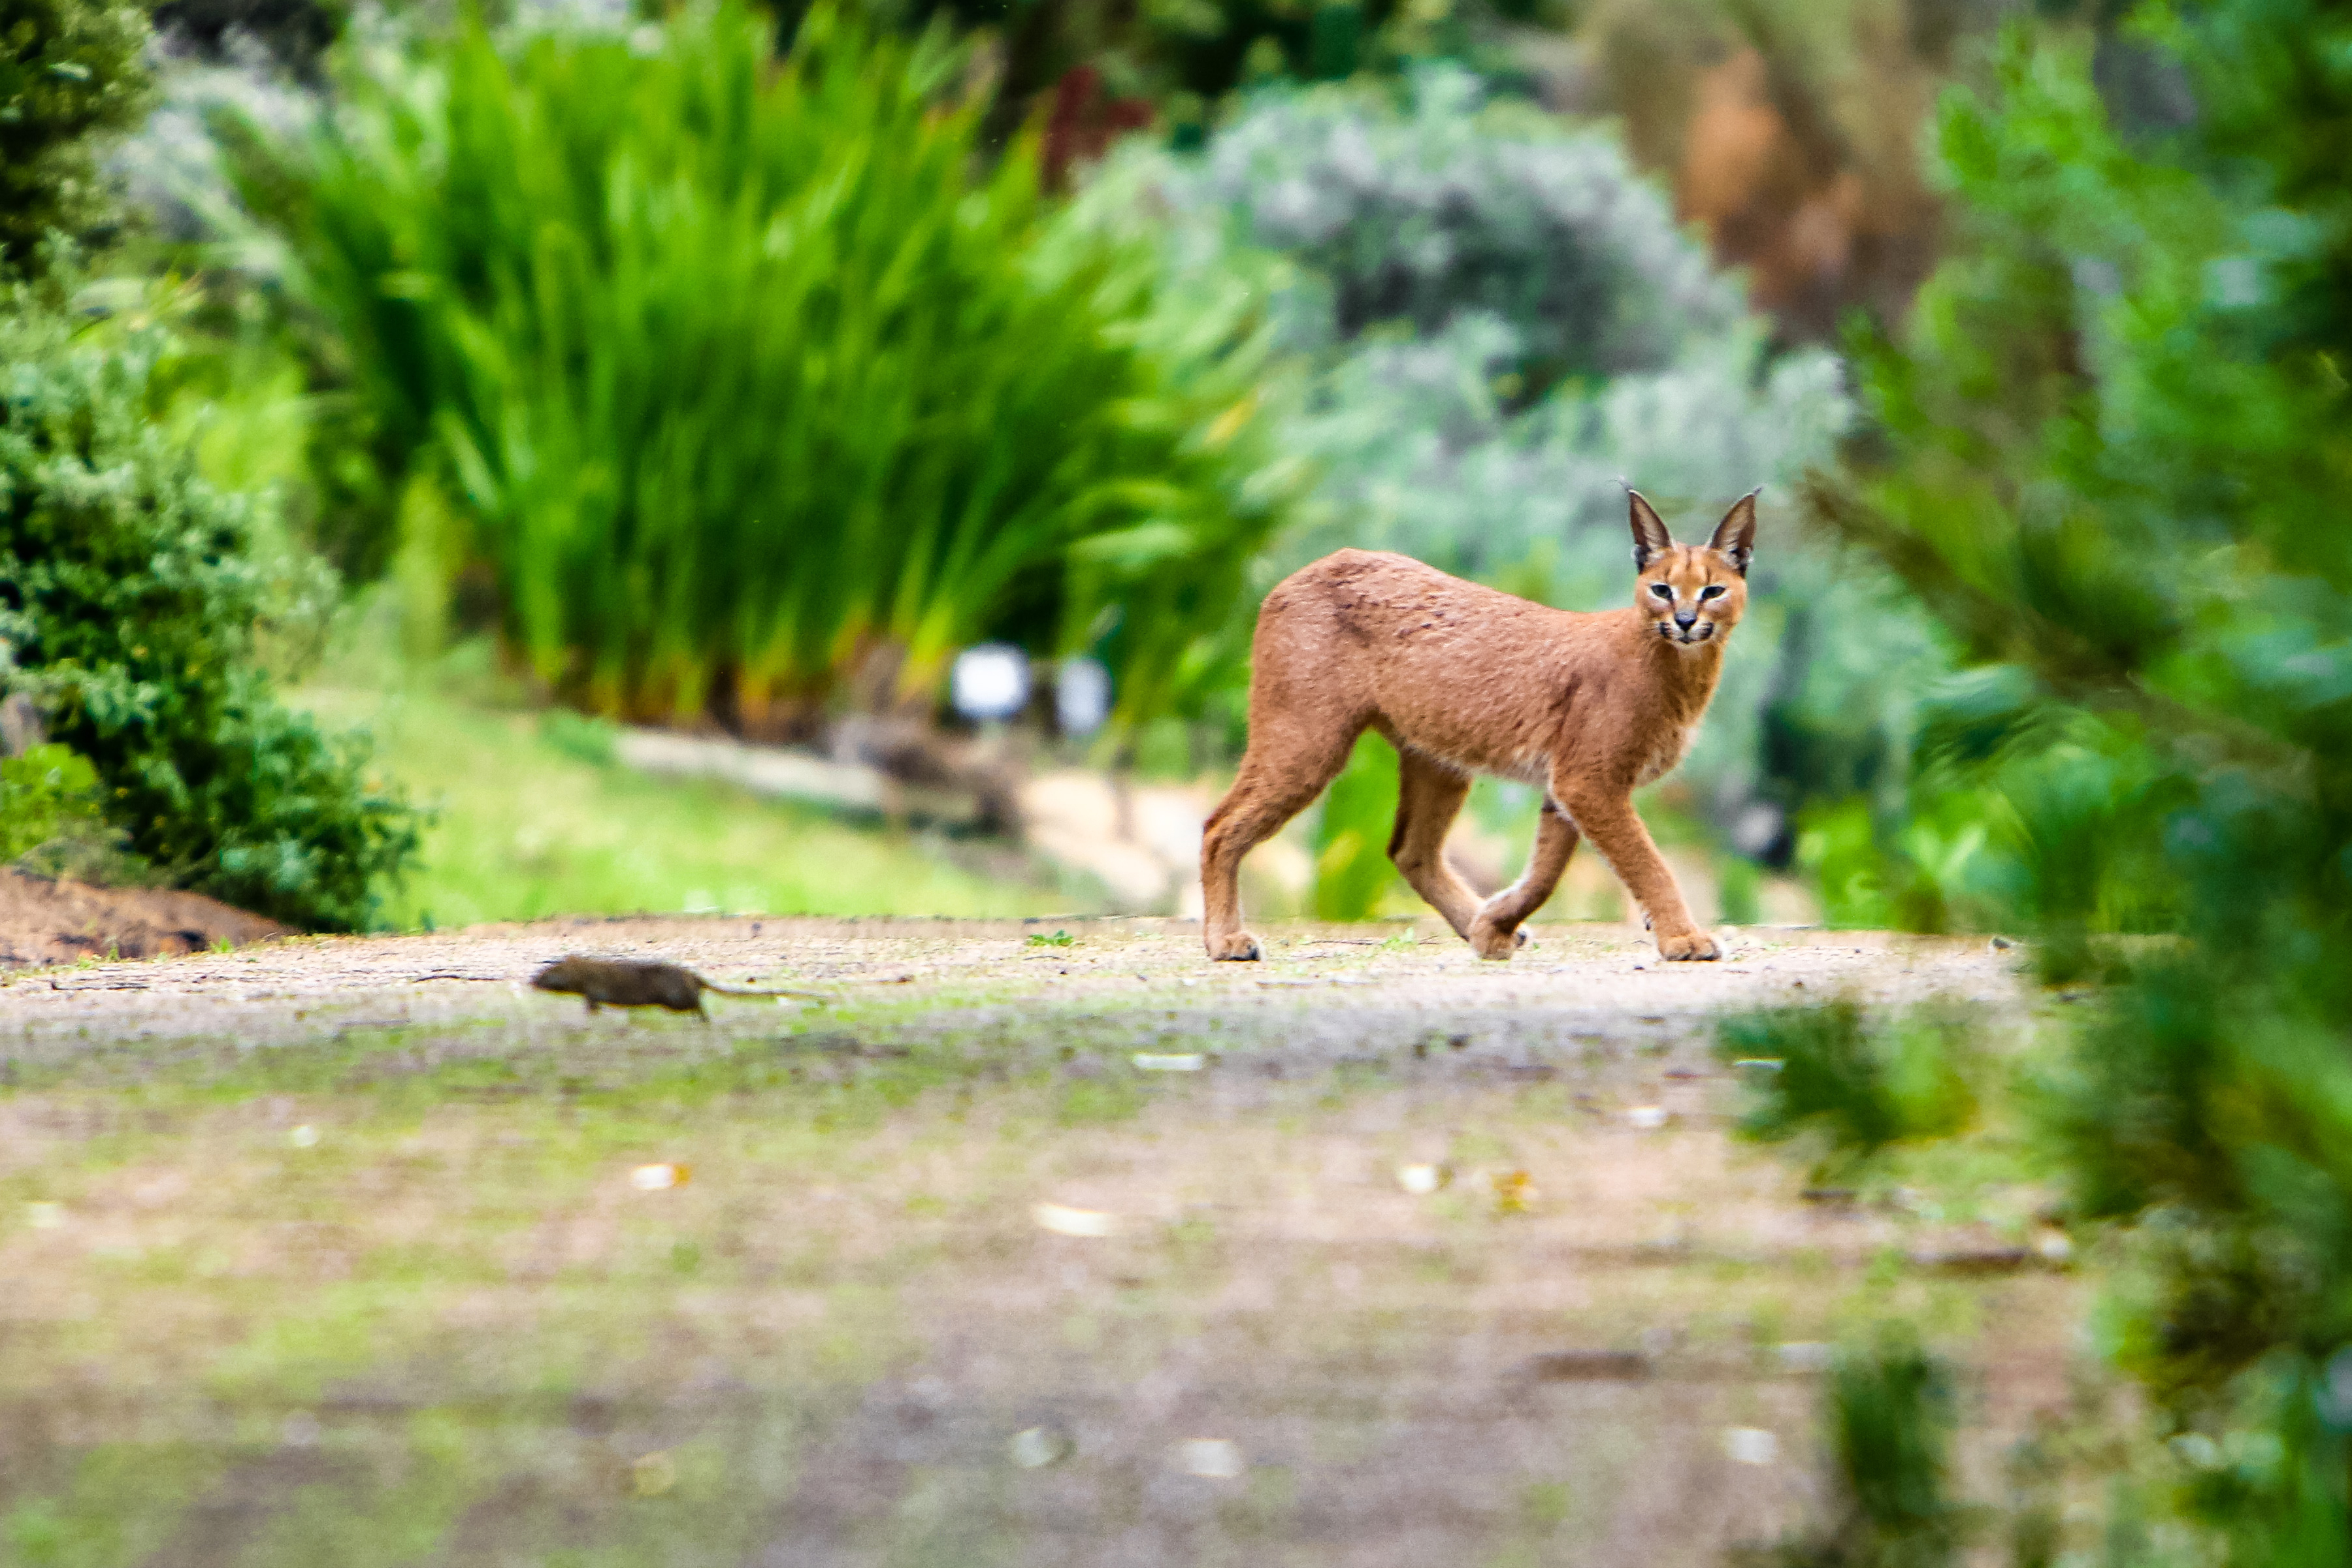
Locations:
(1662, 590)
(1712, 591)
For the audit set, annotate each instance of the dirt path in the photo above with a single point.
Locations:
(357, 1251)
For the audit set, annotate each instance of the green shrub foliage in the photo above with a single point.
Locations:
(129, 600)
(1859, 1083)
(69, 71)
(749, 383)
(46, 795)
(2111, 455)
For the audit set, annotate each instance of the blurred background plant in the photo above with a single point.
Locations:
(132, 597)
(2108, 450)
(752, 397)
(1891, 1411)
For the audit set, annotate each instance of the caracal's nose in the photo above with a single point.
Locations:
(1683, 618)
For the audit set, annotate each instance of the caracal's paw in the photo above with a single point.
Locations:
(1690, 946)
(1489, 942)
(1238, 946)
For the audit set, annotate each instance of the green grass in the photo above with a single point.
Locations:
(525, 827)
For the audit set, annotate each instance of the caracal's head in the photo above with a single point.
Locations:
(1693, 593)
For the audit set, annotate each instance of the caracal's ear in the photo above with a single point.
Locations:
(1735, 536)
(1650, 535)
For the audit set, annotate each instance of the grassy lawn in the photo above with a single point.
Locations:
(528, 823)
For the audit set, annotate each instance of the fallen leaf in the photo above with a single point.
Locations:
(1514, 1191)
(653, 1475)
(1581, 1366)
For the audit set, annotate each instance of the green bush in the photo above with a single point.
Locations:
(2110, 455)
(1891, 1416)
(756, 395)
(129, 599)
(69, 71)
(1828, 1070)
(46, 795)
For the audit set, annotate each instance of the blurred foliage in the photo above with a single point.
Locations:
(753, 396)
(289, 35)
(131, 593)
(1178, 56)
(1789, 132)
(70, 74)
(46, 795)
(2110, 451)
(1352, 833)
(1892, 1412)
(1826, 1072)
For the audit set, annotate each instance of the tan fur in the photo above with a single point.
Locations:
(1463, 680)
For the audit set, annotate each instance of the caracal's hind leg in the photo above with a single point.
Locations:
(1429, 796)
(1495, 930)
(1286, 767)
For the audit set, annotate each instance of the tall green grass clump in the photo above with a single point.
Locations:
(755, 385)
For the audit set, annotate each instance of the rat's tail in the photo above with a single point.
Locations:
(731, 990)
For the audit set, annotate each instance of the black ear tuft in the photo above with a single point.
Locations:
(1735, 536)
(1650, 536)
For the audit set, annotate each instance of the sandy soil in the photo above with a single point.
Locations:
(46, 920)
(1371, 1254)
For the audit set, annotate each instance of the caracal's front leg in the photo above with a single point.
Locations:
(1494, 931)
(1608, 818)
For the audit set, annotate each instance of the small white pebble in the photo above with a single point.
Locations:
(1647, 1117)
(1174, 1061)
(1750, 1446)
(1421, 1180)
(1213, 1458)
(1035, 1448)
(2054, 1246)
(1064, 1221)
(303, 1137)
(1804, 1355)
(657, 1178)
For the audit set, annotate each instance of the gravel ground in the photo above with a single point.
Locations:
(1011, 1251)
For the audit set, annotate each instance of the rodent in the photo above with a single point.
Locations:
(638, 982)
